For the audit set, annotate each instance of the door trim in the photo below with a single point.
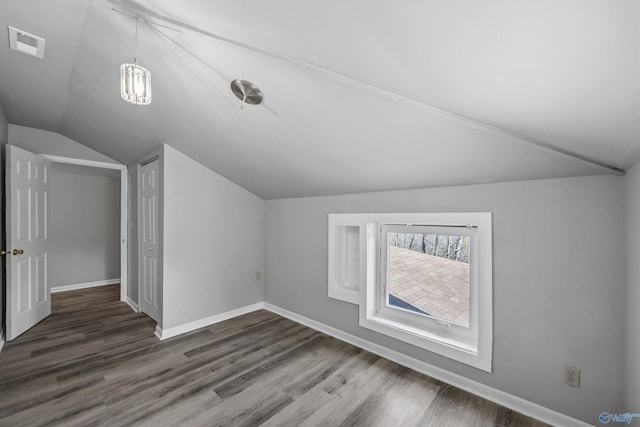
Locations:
(124, 209)
(159, 280)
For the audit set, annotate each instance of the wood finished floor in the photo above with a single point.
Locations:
(94, 362)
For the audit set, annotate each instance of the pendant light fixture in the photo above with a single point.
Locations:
(135, 80)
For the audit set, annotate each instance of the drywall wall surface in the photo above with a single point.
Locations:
(558, 281)
(632, 397)
(4, 128)
(213, 243)
(4, 138)
(85, 225)
(44, 142)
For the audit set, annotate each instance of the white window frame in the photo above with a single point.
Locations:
(474, 349)
(464, 336)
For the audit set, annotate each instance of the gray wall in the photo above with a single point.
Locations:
(633, 296)
(559, 281)
(4, 127)
(85, 225)
(44, 142)
(213, 242)
(4, 138)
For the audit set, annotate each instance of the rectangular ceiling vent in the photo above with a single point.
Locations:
(26, 43)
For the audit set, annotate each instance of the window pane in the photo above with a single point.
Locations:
(429, 274)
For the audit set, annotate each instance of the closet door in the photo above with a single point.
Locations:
(28, 294)
(149, 244)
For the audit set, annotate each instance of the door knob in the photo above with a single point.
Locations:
(17, 252)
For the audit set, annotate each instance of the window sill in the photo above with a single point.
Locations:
(427, 335)
(429, 340)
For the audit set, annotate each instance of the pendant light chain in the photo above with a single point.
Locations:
(135, 50)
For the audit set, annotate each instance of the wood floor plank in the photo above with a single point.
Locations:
(401, 403)
(94, 362)
(453, 406)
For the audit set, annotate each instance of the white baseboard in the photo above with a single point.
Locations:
(163, 334)
(65, 288)
(132, 304)
(507, 400)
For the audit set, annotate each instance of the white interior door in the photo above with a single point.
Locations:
(149, 247)
(27, 197)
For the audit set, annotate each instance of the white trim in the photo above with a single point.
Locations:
(65, 288)
(132, 304)
(124, 233)
(340, 264)
(207, 321)
(84, 162)
(500, 397)
(1, 340)
(124, 210)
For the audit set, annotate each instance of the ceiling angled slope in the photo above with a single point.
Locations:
(565, 73)
(33, 91)
(358, 96)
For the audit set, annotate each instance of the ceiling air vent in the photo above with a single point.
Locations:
(26, 43)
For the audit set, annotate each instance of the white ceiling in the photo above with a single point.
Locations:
(359, 95)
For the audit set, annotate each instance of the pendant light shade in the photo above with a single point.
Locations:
(135, 84)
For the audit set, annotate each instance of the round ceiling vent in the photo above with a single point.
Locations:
(247, 92)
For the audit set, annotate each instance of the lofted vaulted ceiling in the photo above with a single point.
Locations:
(359, 95)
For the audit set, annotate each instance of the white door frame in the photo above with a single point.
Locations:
(124, 209)
(141, 287)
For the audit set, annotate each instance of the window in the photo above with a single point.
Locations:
(426, 273)
(425, 279)
(428, 292)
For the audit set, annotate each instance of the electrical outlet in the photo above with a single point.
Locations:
(571, 376)
(258, 275)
